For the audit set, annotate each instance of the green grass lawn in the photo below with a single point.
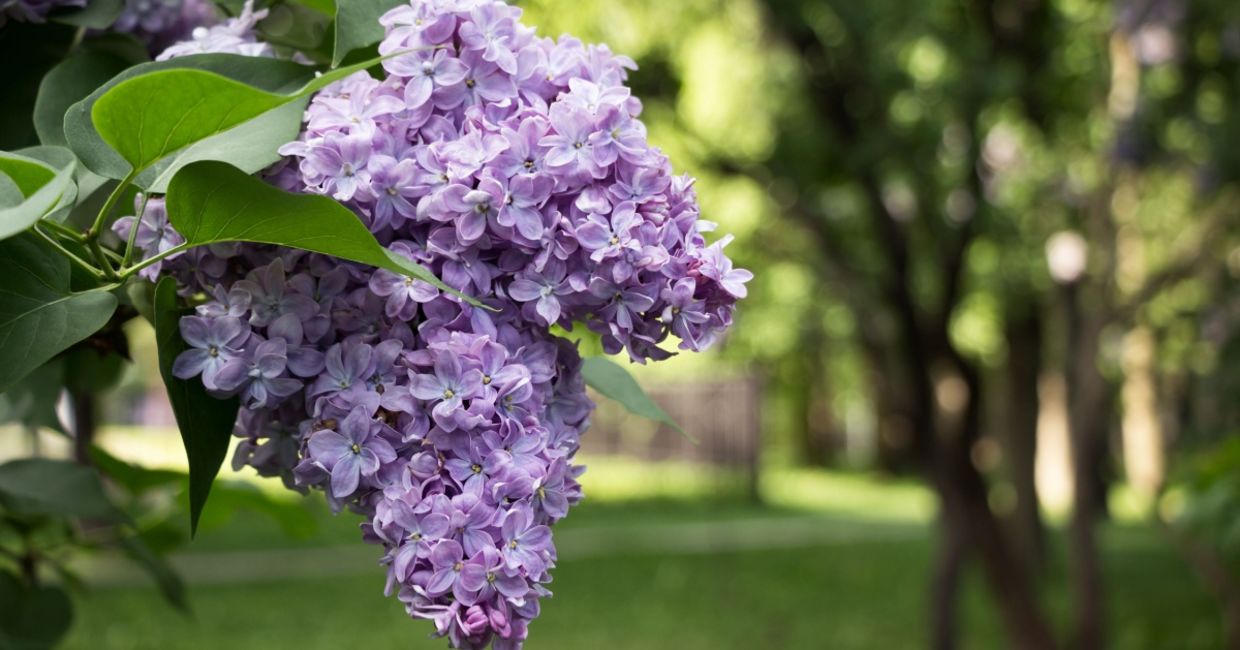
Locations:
(650, 568)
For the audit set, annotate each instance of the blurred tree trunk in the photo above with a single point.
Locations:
(85, 423)
(811, 393)
(1024, 332)
(1088, 417)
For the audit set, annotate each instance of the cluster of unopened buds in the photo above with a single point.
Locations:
(515, 168)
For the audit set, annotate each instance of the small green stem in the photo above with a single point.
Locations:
(127, 272)
(133, 232)
(63, 230)
(92, 235)
(101, 258)
(86, 266)
(113, 198)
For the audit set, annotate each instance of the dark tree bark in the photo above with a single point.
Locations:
(85, 424)
(1024, 334)
(1087, 419)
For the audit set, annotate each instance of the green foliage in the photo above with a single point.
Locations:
(39, 316)
(43, 188)
(267, 76)
(152, 115)
(32, 617)
(206, 423)
(77, 76)
(211, 202)
(97, 14)
(32, 402)
(39, 487)
(611, 380)
(357, 25)
(193, 128)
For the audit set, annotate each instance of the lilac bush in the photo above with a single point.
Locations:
(515, 168)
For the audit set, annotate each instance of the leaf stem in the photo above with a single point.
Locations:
(63, 230)
(86, 266)
(113, 198)
(133, 232)
(92, 235)
(127, 272)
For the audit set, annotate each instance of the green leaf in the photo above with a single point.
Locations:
(231, 497)
(39, 316)
(54, 488)
(10, 194)
(87, 68)
(272, 75)
(97, 14)
(32, 402)
(155, 114)
(29, 175)
(252, 146)
(135, 478)
(206, 423)
(44, 188)
(357, 25)
(32, 618)
(170, 585)
(295, 26)
(210, 202)
(612, 381)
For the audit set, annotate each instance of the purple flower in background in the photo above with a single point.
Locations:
(213, 343)
(155, 234)
(570, 150)
(403, 293)
(447, 562)
(426, 73)
(486, 574)
(447, 388)
(420, 533)
(160, 23)
(526, 545)
(392, 185)
(543, 289)
(354, 452)
(259, 377)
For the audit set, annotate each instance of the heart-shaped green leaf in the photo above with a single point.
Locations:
(43, 188)
(206, 423)
(39, 316)
(612, 381)
(54, 488)
(29, 175)
(271, 75)
(156, 114)
(210, 202)
(97, 14)
(89, 66)
(32, 402)
(32, 618)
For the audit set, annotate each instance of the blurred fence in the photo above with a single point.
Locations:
(723, 417)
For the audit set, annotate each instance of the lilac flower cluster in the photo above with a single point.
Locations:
(515, 168)
(160, 23)
(233, 36)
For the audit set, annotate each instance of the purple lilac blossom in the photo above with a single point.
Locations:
(161, 23)
(515, 168)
